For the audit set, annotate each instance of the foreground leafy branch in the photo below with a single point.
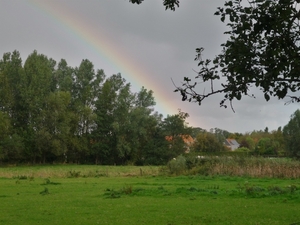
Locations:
(262, 51)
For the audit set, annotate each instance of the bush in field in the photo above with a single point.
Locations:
(73, 174)
(177, 165)
(192, 161)
(110, 193)
(127, 189)
(45, 191)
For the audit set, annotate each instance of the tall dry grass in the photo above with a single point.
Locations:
(235, 166)
(248, 166)
(68, 171)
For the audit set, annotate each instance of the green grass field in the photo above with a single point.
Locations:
(74, 195)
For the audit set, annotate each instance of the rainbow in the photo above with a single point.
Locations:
(105, 49)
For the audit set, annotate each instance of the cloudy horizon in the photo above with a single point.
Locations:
(149, 46)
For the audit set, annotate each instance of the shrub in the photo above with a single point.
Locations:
(48, 182)
(178, 165)
(110, 193)
(45, 191)
(127, 189)
(73, 174)
(275, 190)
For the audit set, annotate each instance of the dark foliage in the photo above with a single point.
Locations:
(262, 51)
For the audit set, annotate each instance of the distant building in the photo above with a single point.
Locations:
(187, 139)
(232, 144)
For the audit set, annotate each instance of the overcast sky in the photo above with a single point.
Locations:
(146, 44)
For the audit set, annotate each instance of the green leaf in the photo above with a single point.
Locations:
(223, 18)
(267, 97)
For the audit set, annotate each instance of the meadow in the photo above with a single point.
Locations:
(79, 194)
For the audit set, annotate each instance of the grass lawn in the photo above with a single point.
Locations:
(120, 195)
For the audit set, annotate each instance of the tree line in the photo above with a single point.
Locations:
(52, 112)
(282, 142)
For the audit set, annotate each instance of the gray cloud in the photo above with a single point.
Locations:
(161, 42)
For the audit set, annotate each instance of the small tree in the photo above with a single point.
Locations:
(174, 128)
(247, 142)
(207, 142)
(291, 134)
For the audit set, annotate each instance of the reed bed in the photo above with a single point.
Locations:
(247, 166)
(257, 167)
